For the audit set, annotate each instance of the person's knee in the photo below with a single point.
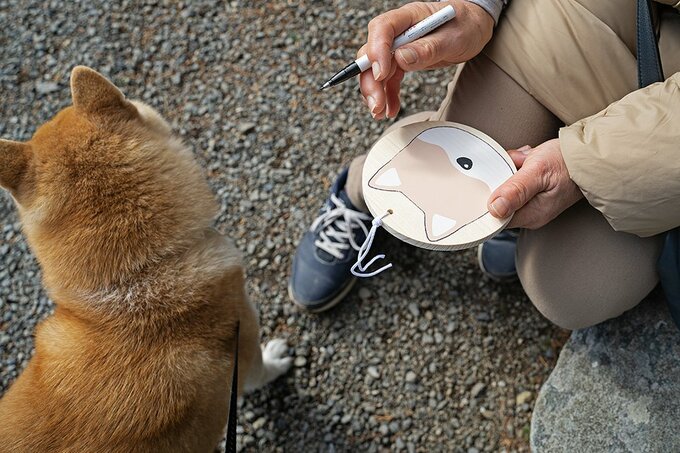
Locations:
(578, 271)
(569, 312)
(572, 294)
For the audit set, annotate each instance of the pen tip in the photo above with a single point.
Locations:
(324, 86)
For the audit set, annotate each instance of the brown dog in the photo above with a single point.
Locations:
(138, 354)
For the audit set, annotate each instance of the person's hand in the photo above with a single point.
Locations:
(458, 40)
(539, 191)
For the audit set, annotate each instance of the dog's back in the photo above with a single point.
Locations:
(137, 356)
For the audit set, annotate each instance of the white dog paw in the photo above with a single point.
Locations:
(276, 359)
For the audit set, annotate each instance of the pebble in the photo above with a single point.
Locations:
(259, 423)
(523, 398)
(477, 389)
(413, 308)
(411, 377)
(245, 128)
(46, 87)
(300, 361)
(364, 293)
(373, 372)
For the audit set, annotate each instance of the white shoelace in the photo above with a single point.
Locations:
(338, 225)
(360, 269)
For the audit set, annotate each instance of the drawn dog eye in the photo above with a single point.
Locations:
(464, 162)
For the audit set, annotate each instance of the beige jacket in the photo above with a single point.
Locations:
(577, 57)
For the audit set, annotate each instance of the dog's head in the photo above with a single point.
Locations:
(104, 188)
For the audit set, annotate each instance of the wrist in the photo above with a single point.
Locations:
(481, 18)
(492, 7)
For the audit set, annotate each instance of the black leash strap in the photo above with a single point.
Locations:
(648, 59)
(230, 441)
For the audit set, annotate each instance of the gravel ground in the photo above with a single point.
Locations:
(430, 356)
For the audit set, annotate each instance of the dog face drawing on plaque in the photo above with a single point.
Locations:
(448, 174)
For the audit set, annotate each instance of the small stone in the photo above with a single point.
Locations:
(373, 372)
(300, 361)
(523, 398)
(259, 423)
(477, 389)
(364, 294)
(483, 316)
(394, 426)
(411, 377)
(413, 308)
(46, 87)
(245, 128)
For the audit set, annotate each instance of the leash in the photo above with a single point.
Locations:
(230, 440)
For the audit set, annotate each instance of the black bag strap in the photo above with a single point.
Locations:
(230, 441)
(648, 59)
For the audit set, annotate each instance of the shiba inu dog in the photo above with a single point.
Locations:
(139, 353)
(449, 182)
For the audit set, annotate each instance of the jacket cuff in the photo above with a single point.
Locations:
(493, 7)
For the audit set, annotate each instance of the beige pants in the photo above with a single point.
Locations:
(576, 270)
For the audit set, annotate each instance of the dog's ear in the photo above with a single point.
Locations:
(93, 94)
(14, 160)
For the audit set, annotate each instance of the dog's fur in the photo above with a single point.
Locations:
(138, 354)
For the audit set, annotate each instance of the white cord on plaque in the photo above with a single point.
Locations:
(360, 269)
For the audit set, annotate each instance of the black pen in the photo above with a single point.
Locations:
(419, 30)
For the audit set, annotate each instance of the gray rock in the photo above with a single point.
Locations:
(46, 87)
(413, 308)
(259, 423)
(364, 293)
(477, 389)
(300, 361)
(245, 128)
(615, 387)
(523, 398)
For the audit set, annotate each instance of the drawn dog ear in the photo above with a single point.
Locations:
(386, 178)
(14, 160)
(438, 226)
(93, 94)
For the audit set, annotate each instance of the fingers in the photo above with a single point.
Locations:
(519, 155)
(392, 87)
(423, 53)
(384, 28)
(382, 98)
(374, 93)
(517, 191)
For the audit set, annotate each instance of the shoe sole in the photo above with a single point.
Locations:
(332, 303)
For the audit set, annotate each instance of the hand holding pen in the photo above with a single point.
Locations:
(454, 41)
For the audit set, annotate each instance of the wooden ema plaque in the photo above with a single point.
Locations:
(434, 179)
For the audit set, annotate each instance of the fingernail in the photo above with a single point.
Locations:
(500, 207)
(371, 103)
(376, 70)
(408, 55)
(525, 149)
